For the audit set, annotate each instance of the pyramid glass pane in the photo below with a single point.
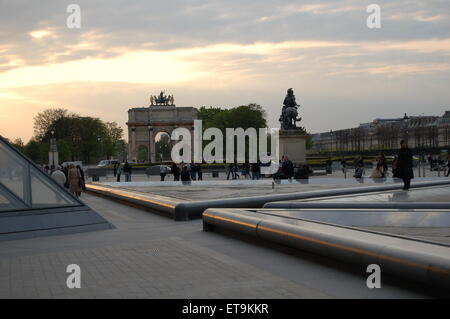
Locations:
(12, 171)
(24, 186)
(8, 201)
(44, 194)
(5, 204)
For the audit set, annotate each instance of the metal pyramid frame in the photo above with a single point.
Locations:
(33, 204)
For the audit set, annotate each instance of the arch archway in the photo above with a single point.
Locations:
(163, 146)
(144, 124)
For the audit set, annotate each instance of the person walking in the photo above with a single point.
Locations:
(199, 172)
(405, 165)
(162, 172)
(230, 171)
(115, 167)
(127, 171)
(236, 171)
(246, 170)
(119, 172)
(382, 162)
(343, 165)
(74, 179)
(287, 168)
(185, 176)
(193, 170)
(175, 171)
(83, 181)
(256, 170)
(59, 176)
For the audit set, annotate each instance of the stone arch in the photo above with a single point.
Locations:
(144, 124)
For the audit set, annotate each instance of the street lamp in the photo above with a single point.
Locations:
(331, 147)
(100, 140)
(150, 129)
(53, 154)
(405, 127)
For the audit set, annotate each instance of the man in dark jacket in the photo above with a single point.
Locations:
(287, 168)
(405, 165)
(176, 172)
(127, 171)
(185, 176)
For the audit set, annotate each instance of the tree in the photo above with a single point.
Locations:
(208, 115)
(44, 121)
(113, 135)
(244, 116)
(162, 147)
(18, 143)
(78, 138)
(36, 151)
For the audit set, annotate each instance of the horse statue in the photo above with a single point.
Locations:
(288, 117)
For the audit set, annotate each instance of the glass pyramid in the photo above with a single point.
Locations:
(32, 204)
(24, 186)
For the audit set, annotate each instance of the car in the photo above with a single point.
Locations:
(156, 170)
(103, 163)
(106, 163)
(75, 163)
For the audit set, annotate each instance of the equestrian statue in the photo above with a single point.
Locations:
(289, 113)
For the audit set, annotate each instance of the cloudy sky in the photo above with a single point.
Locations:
(224, 53)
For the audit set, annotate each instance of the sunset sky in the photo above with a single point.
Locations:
(224, 53)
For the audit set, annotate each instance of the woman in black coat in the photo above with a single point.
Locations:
(405, 165)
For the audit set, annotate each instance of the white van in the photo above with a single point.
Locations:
(75, 163)
(105, 163)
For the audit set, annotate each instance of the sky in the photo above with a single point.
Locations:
(224, 53)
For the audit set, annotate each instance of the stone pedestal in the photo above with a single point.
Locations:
(292, 143)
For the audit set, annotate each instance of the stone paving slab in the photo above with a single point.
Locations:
(159, 269)
(148, 256)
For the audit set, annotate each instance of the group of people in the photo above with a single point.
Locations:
(248, 170)
(286, 170)
(122, 169)
(437, 162)
(185, 172)
(381, 168)
(402, 166)
(70, 177)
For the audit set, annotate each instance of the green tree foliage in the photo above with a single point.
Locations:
(78, 137)
(113, 135)
(44, 121)
(162, 147)
(244, 116)
(142, 153)
(18, 143)
(37, 151)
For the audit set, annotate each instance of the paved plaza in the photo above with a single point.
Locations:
(151, 256)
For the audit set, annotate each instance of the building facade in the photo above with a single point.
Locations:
(421, 132)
